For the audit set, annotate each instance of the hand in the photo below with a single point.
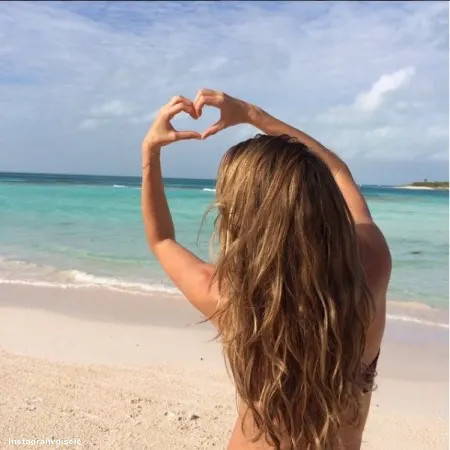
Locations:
(162, 132)
(232, 110)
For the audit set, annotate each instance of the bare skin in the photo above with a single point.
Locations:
(192, 275)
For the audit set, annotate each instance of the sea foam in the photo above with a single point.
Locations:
(416, 320)
(28, 273)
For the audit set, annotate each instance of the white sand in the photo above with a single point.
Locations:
(417, 187)
(123, 371)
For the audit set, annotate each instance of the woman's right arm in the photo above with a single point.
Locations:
(350, 190)
(375, 251)
(234, 111)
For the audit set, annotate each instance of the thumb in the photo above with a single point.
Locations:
(213, 129)
(179, 135)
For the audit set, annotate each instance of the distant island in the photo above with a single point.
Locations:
(426, 185)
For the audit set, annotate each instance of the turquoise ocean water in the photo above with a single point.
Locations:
(76, 230)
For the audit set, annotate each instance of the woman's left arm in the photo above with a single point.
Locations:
(189, 273)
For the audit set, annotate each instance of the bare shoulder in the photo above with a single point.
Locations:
(376, 259)
(375, 254)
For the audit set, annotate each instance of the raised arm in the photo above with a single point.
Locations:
(374, 247)
(235, 111)
(189, 273)
(350, 190)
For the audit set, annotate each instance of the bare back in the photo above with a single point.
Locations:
(376, 261)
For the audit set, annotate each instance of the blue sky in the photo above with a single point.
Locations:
(81, 81)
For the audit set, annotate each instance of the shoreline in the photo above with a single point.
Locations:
(129, 371)
(427, 188)
(400, 310)
(137, 317)
(159, 313)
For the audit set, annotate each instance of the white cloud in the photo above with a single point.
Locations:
(371, 100)
(213, 64)
(89, 124)
(436, 131)
(143, 118)
(112, 108)
(380, 132)
(106, 113)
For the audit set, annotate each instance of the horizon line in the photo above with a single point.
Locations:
(192, 178)
(93, 175)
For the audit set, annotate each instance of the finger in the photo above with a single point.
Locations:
(177, 99)
(180, 99)
(198, 111)
(201, 92)
(206, 91)
(187, 135)
(176, 109)
(206, 100)
(213, 129)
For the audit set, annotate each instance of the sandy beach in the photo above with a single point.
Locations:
(127, 371)
(426, 188)
(420, 188)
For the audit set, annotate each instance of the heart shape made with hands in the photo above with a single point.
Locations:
(184, 122)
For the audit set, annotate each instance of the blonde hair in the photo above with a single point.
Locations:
(293, 325)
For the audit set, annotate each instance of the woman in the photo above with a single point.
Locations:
(298, 290)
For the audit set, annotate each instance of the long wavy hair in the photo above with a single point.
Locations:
(295, 304)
